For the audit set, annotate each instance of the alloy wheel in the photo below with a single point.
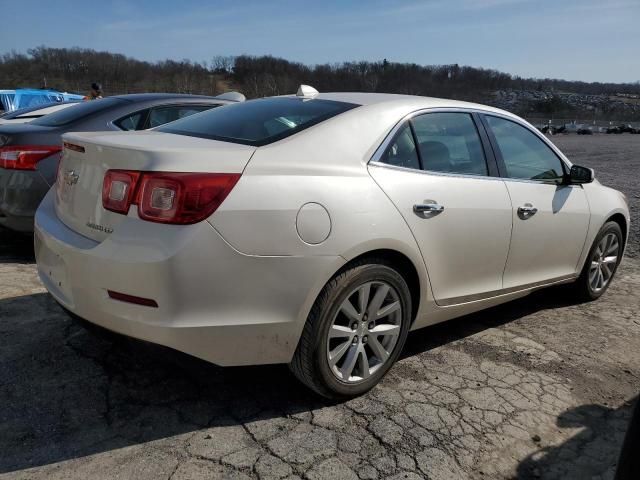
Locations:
(603, 262)
(364, 331)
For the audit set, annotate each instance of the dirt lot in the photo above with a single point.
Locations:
(539, 388)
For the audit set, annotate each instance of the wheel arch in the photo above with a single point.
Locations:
(620, 219)
(405, 266)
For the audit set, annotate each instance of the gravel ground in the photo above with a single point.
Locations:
(538, 388)
(616, 160)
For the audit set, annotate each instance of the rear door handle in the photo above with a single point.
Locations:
(428, 208)
(527, 210)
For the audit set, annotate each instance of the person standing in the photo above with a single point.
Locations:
(95, 93)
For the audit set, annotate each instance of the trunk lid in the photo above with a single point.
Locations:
(79, 186)
(27, 134)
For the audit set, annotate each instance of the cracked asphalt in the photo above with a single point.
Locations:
(538, 388)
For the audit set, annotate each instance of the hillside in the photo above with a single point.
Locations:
(73, 69)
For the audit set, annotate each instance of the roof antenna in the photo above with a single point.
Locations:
(306, 91)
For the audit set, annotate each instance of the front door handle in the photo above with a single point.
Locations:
(428, 208)
(527, 210)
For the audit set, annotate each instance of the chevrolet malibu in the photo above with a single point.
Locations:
(319, 229)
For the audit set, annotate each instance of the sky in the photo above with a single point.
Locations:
(589, 40)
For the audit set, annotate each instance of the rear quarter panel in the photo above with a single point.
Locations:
(259, 215)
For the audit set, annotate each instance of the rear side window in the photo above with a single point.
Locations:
(449, 143)
(161, 115)
(76, 112)
(525, 155)
(131, 122)
(258, 122)
(402, 151)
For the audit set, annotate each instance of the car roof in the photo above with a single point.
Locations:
(409, 101)
(139, 97)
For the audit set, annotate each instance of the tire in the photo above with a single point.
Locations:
(584, 287)
(311, 362)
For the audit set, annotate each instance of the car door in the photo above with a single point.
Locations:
(550, 218)
(444, 181)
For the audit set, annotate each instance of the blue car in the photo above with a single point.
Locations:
(11, 100)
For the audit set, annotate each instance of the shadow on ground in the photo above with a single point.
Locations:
(15, 247)
(443, 333)
(594, 448)
(68, 392)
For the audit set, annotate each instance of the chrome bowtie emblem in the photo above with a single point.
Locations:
(71, 177)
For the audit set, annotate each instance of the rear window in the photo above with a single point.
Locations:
(258, 122)
(25, 112)
(71, 114)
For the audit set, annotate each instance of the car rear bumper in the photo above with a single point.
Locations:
(20, 194)
(213, 302)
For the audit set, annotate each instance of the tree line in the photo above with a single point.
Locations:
(74, 69)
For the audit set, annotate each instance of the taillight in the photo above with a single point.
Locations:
(166, 197)
(118, 189)
(25, 157)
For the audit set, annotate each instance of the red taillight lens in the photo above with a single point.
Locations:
(182, 198)
(118, 189)
(164, 197)
(25, 157)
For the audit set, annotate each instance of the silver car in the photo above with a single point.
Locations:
(29, 152)
(319, 229)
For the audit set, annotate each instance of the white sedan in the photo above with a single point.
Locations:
(318, 229)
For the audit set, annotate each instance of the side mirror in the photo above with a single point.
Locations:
(579, 175)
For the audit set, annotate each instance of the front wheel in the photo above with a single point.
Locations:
(355, 331)
(602, 262)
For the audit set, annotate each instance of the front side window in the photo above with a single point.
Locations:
(449, 143)
(525, 155)
(402, 151)
(258, 122)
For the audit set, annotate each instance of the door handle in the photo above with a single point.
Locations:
(428, 208)
(527, 210)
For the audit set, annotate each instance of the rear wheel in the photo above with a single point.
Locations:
(355, 331)
(602, 262)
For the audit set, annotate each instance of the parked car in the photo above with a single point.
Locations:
(622, 128)
(25, 115)
(584, 131)
(11, 100)
(553, 129)
(29, 153)
(318, 229)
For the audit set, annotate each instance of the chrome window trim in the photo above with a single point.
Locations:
(375, 159)
(377, 163)
(377, 155)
